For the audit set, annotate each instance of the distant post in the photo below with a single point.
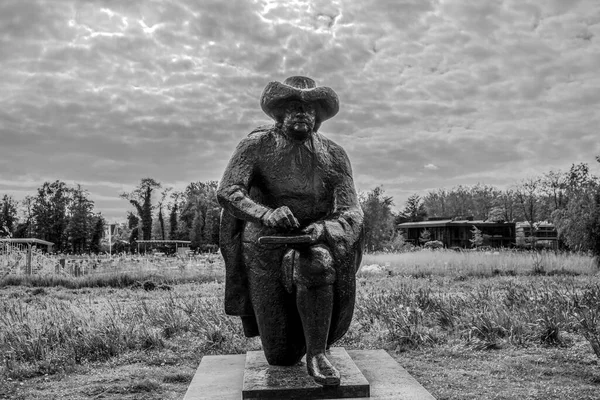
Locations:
(28, 263)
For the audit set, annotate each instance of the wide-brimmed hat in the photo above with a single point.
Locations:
(277, 94)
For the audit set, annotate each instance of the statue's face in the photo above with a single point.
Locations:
(299, 119)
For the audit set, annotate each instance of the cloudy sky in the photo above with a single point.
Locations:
(434, 93)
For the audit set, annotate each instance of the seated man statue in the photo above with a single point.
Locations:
(288, 180)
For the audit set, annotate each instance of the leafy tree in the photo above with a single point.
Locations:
(173, 217)
(49, 212)
(97, 233)
(575, 221)
(484, 200)
(435, 203)
(197, 233)
(161, 220)
(141, 199)
(554, 186)
(133, 224)
(477, 237)
(379, 219)
(527, 193)
(8, 216)
(593, 226)
(200, 212)
(424, 236)
(414, 210)
(59, 214)
(25, 228)
(79, 227)
(212, 224)
(462, 201)
(507, 202)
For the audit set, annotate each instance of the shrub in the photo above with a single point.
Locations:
(434, 244)
(586, 310)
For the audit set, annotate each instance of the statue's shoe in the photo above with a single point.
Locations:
(322, 371)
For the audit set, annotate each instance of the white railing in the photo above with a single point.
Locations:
(15, 262)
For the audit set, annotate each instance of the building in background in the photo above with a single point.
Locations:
(544, 235)
(459, 232)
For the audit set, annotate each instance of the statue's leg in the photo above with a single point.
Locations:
(276, 313)
(314, 277)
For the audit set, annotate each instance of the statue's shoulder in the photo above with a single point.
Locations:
(328, 142)
(257, 138)
(332, 147)
(262, 132)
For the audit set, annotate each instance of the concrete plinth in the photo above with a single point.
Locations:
(264, 381)
(222, 377)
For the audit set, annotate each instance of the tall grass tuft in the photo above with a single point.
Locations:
(586, 311)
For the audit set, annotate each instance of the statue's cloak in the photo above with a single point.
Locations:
(343, 224)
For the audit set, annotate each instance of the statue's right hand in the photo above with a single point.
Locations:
(281, 218)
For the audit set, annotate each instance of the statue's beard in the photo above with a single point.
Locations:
(299, 130)
(302, 127)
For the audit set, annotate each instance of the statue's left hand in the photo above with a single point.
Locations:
(316, 230)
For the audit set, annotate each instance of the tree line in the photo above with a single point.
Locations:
(65, 215)
(568, 199)
(162, 213)
(57, 213)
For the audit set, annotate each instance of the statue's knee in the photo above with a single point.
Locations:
(315, 267)
(285, 356)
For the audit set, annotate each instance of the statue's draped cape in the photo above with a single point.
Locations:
(342, 222)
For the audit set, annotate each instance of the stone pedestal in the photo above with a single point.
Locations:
(223, 377)
(264, 381)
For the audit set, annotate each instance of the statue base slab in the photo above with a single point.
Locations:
(264, 381)
(222, 377)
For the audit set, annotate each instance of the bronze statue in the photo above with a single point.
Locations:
(291, 230)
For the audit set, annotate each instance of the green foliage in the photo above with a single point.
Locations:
(97, 233)
(57, 213)
(173, 215)
(476, 200)
(414, 210)
(80, 228)
(434, 245)
(578, 218)
(50, 213)
(200, 215)
(593, 227)
(424, 236)
(528, 195)
(161, 221)
(477, 237)
(565, 198)
(8, 216)
(397, 244)
(379, 219)
(141, 199)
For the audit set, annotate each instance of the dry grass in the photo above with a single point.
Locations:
(120, 272)
(148, 343)
(477, 263)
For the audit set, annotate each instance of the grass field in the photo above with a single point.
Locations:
(466, 325)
